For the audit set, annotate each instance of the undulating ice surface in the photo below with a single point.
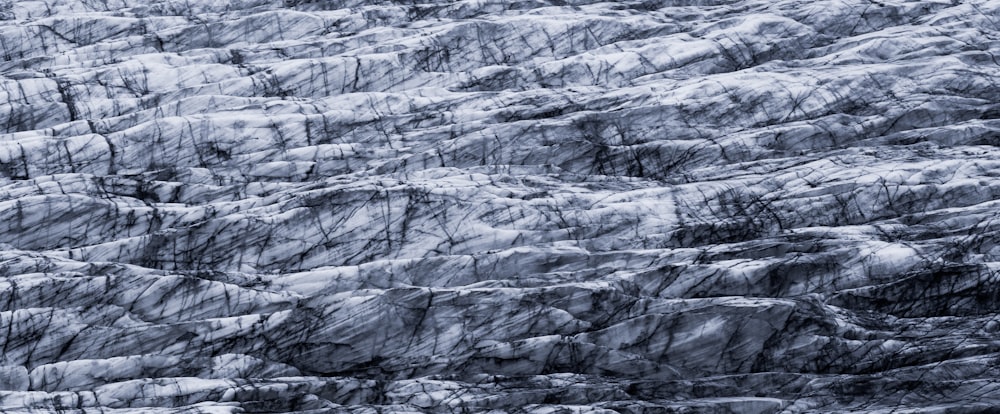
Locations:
(535, 205)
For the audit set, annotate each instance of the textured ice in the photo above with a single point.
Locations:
(536, 206)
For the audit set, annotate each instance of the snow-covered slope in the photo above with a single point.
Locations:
(538, 205)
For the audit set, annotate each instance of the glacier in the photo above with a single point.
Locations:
(535, 206)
